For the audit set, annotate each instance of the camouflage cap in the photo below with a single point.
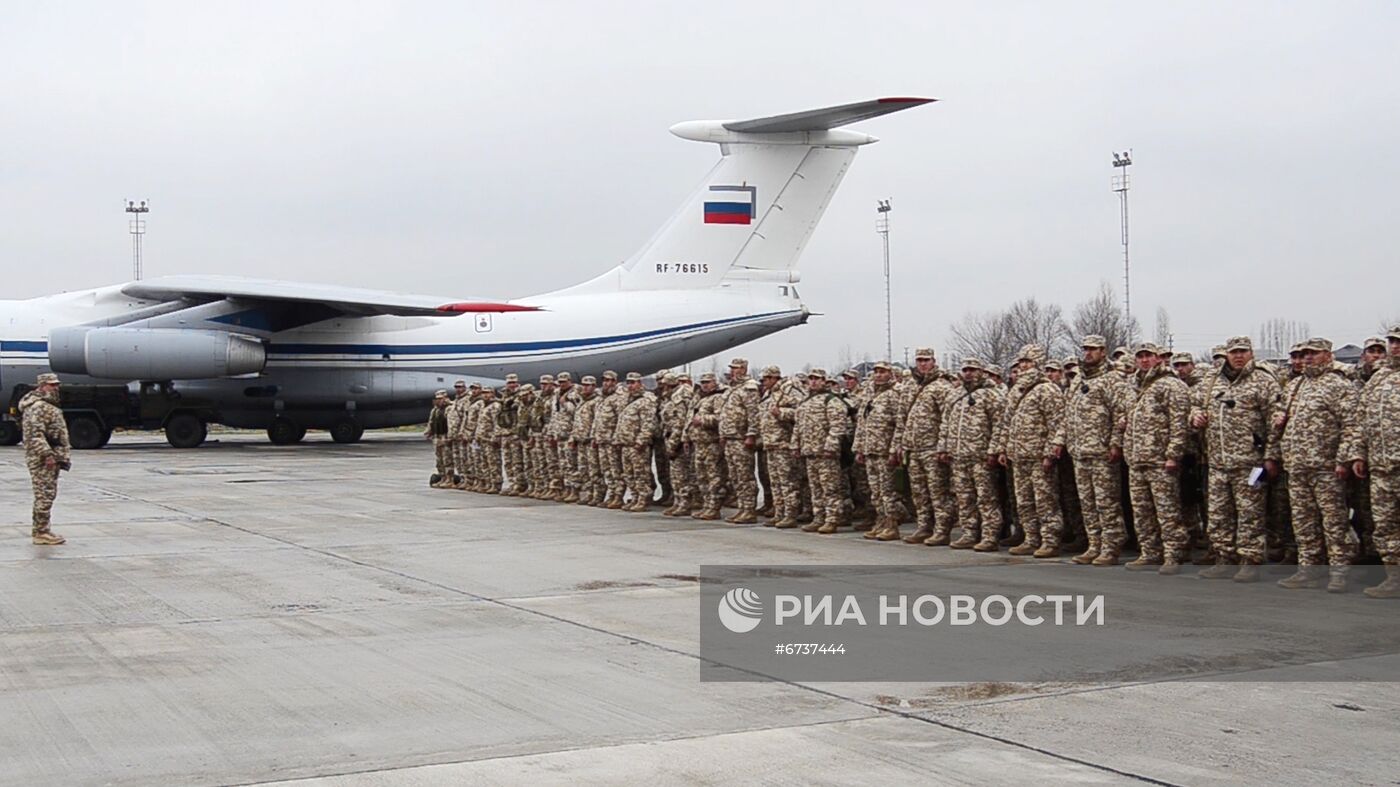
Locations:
(1146, 347)
(1119, 351)
(973, 363)
(851, 373)
(683, 377)
(1125, 364)
(1237, 343)
(1373, 341)
(546, 378)
(609, 375)
(707, 377)
(1297, 349)
(634, 377)
(460, 384)
(739, 362)
(1318, 344)
(526, 388)
(1393, 333)
(816, 371)
(924, 352)
(588, 379)
(49, 378)
(1071, 360)
(438, 394)
(564, 377)
(1054, 364)
(1093, 340)
(1033, 353)
(772, 371)
(1218, 351)
(1182, 358)
(878, 365)
(512, 378)
(669, 378)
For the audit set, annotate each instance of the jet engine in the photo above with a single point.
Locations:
(153, 353)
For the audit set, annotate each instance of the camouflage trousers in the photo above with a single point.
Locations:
(539, 464)
(1362, 516)
(1236, 515)
(978, 510)
(707, 474)
(1156, 498)
(1385, 509)
(1320, 524)
(491, 465)
(781, 467)
(740, 460)
(636, 464)
(1037, 503)
(663, 465)
(931, 483)
(828, 495)
(567, 454)
(442, 450)
(459, 456)
(615, 472)
(45, 483)
(804, 486)
(855, 486)
(1278, 522)
(683, 487)
(1069, 497)
(514, 454)
(883, 495)
(1100, 486)
(765, 481)
(587, 478)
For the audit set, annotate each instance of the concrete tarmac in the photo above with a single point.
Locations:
(315, 614)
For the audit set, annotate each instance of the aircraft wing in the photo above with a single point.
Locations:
(826, 118)
(349, 300)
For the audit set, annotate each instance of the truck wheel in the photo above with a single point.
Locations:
(347, 430)
(9, 433)
(285, 431)
(106, 438)
(185, 430)
(84, 432)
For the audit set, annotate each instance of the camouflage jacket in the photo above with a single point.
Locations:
(738, 417)
(486, 429)
(541, 411)
(45, 431)
(1374, 433)
(922, 423)
(636, 424)
(970, 416)
(582, 429)
(1095, 413)
(438, 421)
(877, 422)
(675, 415)
(531, 418)
(561, 419)
(472, 418)
(775, 430)
(1156, 426)
(821, 424)
(707, 407)
(605, 417)
(1034, 409)
(1241, 416)
(457, 417)
(508, 416)
(1317, 407)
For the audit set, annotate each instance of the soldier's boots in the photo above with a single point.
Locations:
(1390, 588)
(570, 497)
(804, 517)
(48, 539)
(1249, 572)
(1086, 557)
(1224, 568)
(965, 541)
(876, 529)
(1208, 558)
(1014, 538)
(707, 515)
(1304, 577)
(813, 526)
(1047, 550)
(767, 511)
(615, 504)
(890, 533)
(828, 528)
(988, 544)
(1337, 579)
(786, 523)
(1170, 567)
(744, 518)
(942, 537)
(1144, 563)
(919, 535)
(1024, 548)
(1107, 557)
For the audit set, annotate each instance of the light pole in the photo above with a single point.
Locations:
(137, 227)
(882, 226)
(1122, 161)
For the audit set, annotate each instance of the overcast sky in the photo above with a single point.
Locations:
(507, 149)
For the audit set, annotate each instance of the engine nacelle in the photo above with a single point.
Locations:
(153, 353)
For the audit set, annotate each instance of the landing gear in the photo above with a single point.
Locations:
(185, 430)
(285, 431)
(85, 432)
(347, 430)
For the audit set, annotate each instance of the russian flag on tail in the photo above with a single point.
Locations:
(732, 211)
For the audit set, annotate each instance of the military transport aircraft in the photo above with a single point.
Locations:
(288, 356)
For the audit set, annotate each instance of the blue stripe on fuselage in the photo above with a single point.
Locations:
(25, 347)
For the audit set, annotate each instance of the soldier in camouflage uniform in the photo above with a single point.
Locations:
(738, 429)
(46, 452)
(636, 425)
(777, 413)
(1236, 414)
(821, 423)
(1154, 442)
(439, 427)
(1372, 450)
(930, 481)
(512, 452)
(1025, 442)
(876, 426)
(528, 424)
(471, 453)
(1193, 466)
(587, 479)
(562, 457)
(1372, 359)
(1314, 412)
(855, 480)
(1073, 537)
(488, 441)
(537, 422)
(674, 416)
(604, 428)
(703, 434)
(1092, 432)
(971, 412)
(658, 442)
(456, 424)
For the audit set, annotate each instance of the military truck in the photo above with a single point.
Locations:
(94, 411)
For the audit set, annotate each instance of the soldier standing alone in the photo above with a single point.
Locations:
(46, 452)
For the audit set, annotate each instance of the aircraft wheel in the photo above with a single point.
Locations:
(285, 431)
(185, 430)
(347, 430)
(84, 432)
(9, 433)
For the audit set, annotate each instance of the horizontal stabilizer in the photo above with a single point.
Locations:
(826, 118)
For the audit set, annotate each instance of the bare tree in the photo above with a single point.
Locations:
(986, 336)
(1276, 336)
(1163, 333)
(1103, 315)
(1032, 322)
(845, 359)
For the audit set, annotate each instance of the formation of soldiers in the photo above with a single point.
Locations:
(1231, 467)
